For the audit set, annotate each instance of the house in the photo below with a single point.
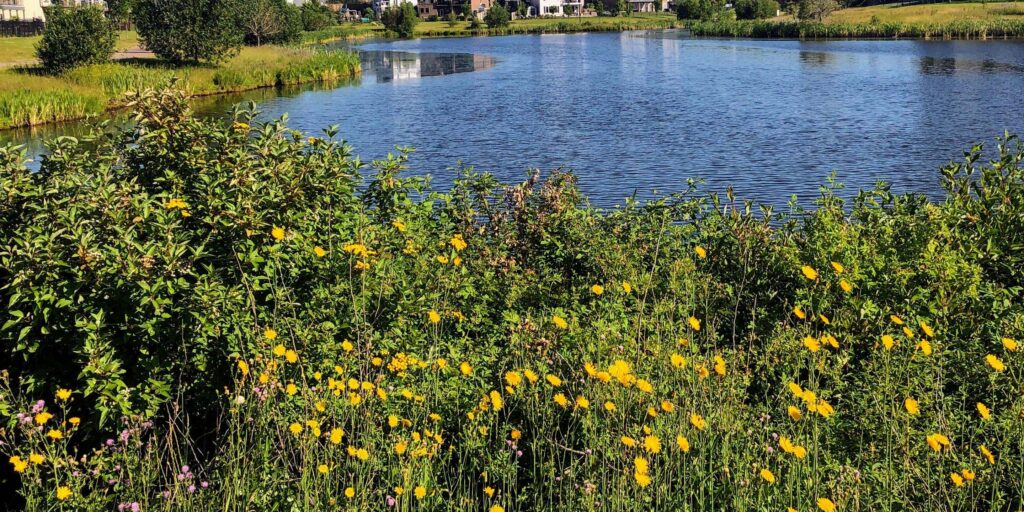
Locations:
(21, 10)
(380, 5)
(557, 7)
(442, 8)
(648, 5)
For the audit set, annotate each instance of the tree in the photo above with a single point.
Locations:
(269, 21)
(621, 7)
(816, 9)
(75, 36)
(699, 9)
(189, 30)
(316, 16)
(755, 9)
(400, 20)
(497, 16)
(120, 11)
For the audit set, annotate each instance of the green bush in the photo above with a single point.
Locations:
(756, 9)
(189, 30)
(74, 37)
(297, 326)
(268, 21)
(316, 16)
(401, 19)
(497, 16)
(699, 9)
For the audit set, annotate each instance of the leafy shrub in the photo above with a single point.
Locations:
(401, 19)
(244, 306)
(188, 30)
(699, 9)
(497, 16)
(316, 16)
(756, 9)
(269, 21)
(74, 37)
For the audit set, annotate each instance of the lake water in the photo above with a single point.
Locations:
(640, 112)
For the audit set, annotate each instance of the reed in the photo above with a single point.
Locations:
(963, 29)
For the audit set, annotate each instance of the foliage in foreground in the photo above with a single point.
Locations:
(236, 316)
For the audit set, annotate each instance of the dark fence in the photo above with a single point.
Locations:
(21, 28)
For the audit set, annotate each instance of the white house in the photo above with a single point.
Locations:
(380, 5)
(23, 10)
(557, 7)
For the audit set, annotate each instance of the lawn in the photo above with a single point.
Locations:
(22, 50)
(931, 13)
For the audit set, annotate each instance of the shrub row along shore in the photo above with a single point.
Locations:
(28, 97)
(204, 314)
(967, 29)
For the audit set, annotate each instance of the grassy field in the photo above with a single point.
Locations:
(551, 25)
(22, 50)
(931, 13)
(28, 97)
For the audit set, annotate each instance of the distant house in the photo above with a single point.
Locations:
(21, 10)
(648, 5)
(380, 5)
(557, 7)
(442, 8)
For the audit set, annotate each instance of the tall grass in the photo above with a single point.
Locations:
(26, 98)
(551, 26)
(989, 29)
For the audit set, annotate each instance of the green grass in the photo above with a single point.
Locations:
(931, 13)
(967, 29)
(551, 25)
(22, 50)
(28, 97)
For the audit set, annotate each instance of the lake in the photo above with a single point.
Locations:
(641, 112)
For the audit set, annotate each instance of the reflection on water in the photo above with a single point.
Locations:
(817, 58)
(389, 66)
(949, 65)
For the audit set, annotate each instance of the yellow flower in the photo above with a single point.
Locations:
(1010, 344)
(553, 380)
(968, 474)
(809, 272)
(826, 505)
(597, 289)
(55, 434)
(987, 454)
(74, 420)
(667, 406)
(63, 394)
(336, 435)
(561, 400)
(644, 386)
(19, 465)
(995, 363)
(720, 366)
(36, 458)
(559, 322)
(896, 320)
(845, 285)
(347, 346)
(628, 441)
(698, 421)
(824, 319)
(458, 242)
(496, 508)
(888, 342)
(694, 323)
(582, 402)
(243, 367)
(291, 389)
(399, 225)
(678, 361)
(362, 454)
(420, 492)
(838, 267)
(642, 479)
(912, 406)
(626, 287)
(513, 379)
(291, 356)
(489, 491)
(908, 332)
(794, 413)
(516, 434)
(824, 409)
(609, 406)
(937, 441)
(652, 444)
(984, 412)
(496, 402)
(799, 312)
(925, 347)
(465, 368)
(319, 251)
(767, 476)
(42, 418)
(927, 329)
(63, 493)
(277, 233)
(795, 389)
(957, 479)
(295, 428)
(349, 492)
(812, 343)
(683, 443)
(701, 252)
(271, 335)
(434, 317)
(530, 376)
(323, 469)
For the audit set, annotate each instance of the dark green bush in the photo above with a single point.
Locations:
(401, 19)
(189, 30)
(316, 16)
(74, 37)
(497, 16)
(755, 9)
(699, 9)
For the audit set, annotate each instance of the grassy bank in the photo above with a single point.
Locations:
(18, 51)
(28, 97)
(227, 316)
(551, 26)
(933, 13)
(965, 29)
